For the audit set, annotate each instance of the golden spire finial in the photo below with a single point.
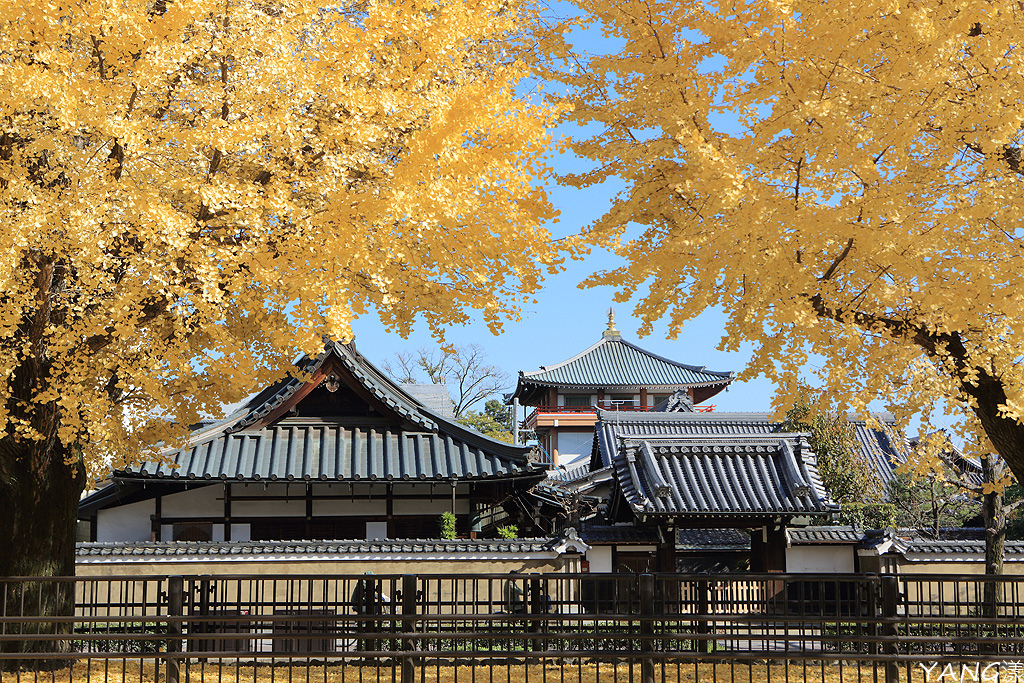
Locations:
(611, 332)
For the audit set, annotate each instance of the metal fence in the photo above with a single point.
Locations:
(565, 627)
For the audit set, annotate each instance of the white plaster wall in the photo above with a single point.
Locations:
(600, 558)
(126, 522)
(241, 532)
(205, 501)
(574, 447)
(376, 531)
(819, 559)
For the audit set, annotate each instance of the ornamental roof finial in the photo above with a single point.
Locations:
(611, 332)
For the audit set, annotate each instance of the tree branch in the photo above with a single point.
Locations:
(1010, 154)
(835, 264)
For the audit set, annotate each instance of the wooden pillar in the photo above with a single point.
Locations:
(600, 397)
(309, 512)
(475, 519)
(643, 398)
(154, 531)
(227, 512)
(646, 589)
(776, 551)
(553, 440)
(757, 551)
(768, 549)
(667, 550)
(389, 510)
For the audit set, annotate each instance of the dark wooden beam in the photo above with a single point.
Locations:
(390, 511)
(227, 512)
(309, 510)
(156, 518)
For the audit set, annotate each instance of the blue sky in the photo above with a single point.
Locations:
(567, 319)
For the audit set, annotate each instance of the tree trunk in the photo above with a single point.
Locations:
(39, 495)
(995, 536)
(1005, 432)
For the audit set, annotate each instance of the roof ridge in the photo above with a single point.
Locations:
(605, 340)
(549, 368)
(696, 368)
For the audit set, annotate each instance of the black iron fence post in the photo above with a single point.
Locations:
(702, 625)
(873, 611)
(536, 610)
(409, 624)
(175, 610)
(890, 600)
(646, 627)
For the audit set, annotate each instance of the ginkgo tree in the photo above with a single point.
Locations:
(193, 190)
(844, 178)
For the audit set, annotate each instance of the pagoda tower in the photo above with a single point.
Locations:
(614, 375)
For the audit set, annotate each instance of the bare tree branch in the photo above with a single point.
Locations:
(463, 369)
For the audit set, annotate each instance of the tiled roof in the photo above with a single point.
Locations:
(180, 549)
(607, 534)
(951, 544)
(825, 535)
(938, 548)
(665, 466)
(302, 448)
(413, 443)
(712, 539)
(433, 396)
(884, 447)
(970, 468)
(612, 425)
(570, 474)
(881, 446)
(372, 380)
(580, 480)
(954, 544)
(612, 362)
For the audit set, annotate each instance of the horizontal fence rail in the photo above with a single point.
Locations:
(511, 627)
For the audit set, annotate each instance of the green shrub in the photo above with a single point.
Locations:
(508, 531)
(446, 524)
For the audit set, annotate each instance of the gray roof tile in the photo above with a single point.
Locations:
(248, 548)
(418, 444)
(303, 448)
(950, 542)
(884, 448)
(614, 362)
(712, 539)
(708, 464)
(607, 534)
(825, 535)
(433, 396)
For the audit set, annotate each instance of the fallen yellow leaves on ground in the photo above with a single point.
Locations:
(498, 672)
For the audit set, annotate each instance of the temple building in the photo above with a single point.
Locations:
(338, 452)
(613, 375)
(689, 470)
